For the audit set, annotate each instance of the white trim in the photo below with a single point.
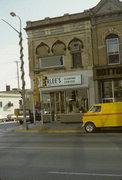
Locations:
(63, 88)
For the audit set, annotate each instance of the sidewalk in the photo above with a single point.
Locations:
(53, 127)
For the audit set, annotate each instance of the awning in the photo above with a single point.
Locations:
(61, 88)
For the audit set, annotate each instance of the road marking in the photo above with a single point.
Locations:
(61, 148)
(85, 174)
(48, 131)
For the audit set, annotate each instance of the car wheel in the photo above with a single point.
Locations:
(89, 127)
(21, 122)
(31, 121)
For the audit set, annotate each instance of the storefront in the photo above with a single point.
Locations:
(109, 84)
(65, 95)
(111, 90)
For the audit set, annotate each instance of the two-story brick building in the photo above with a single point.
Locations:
(60, 49)
(80, 54)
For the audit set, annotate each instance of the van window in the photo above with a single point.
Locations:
(96, 109)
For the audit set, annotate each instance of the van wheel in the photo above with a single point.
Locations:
(89, 127)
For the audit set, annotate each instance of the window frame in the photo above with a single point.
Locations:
(75, 62)
(113, 53)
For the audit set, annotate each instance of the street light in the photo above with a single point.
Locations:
(22, 68)
(22, 64)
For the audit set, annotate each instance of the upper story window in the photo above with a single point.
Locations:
(51, 62)
(58, 48)
(42, 50)
(75, 47)
(76, 56)
(112, 43)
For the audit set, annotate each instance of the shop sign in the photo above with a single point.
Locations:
(100, 73)
(63, 80)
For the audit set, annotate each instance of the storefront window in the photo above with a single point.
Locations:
(46, 103)
(76, 101)
(107, 89)
(112, 91)
(118, 90)
(64, 102)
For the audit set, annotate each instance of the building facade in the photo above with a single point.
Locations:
(60, 49)
(9, 100)
(80, 54)
(106, 21)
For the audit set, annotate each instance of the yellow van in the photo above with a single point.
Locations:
(103, 115)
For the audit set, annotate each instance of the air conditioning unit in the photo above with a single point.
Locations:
(75, 47)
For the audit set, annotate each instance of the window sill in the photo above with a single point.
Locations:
(51, 68)
(76, 67)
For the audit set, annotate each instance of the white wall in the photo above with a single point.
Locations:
(5, 99)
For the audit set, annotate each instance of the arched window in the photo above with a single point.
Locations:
(75, 46)
(112, 44)
(58, 48)
(42, 50)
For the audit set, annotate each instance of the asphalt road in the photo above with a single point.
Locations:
(65, 156)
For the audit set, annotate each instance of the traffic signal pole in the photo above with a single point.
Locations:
(39, 83)
(42, 110)
(43, 84)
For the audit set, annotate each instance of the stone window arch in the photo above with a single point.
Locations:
(42, 50)
(58, 48)
(75, 47)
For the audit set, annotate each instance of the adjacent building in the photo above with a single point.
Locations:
(9, 100)
(106, 22)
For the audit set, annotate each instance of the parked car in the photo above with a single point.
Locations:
(3, 118)
(29, 116)
(37, 115)
(11, 117)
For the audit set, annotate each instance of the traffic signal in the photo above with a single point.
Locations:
(36, 89)
(44, 78)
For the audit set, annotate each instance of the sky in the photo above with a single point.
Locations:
(27, 10)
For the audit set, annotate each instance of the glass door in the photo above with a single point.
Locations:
(57, 106)
(107, 91)
(57, 100)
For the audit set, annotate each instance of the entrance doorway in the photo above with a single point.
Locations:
(57, 104)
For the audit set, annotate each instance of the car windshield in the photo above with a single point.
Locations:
(21, 112)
